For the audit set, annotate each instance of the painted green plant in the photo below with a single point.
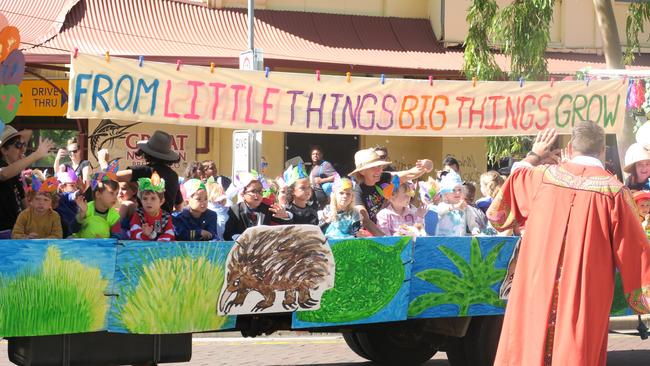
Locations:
(368, 276)
(173, 295)
(473, 286)
(63, 296)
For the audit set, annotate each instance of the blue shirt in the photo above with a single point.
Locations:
(187, 227)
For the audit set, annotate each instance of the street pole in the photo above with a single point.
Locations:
(251, 26)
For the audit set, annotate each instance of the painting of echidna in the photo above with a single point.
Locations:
(277, 269)
(369, 276)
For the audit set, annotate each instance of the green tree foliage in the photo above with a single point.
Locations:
(478, 59)
(521, 32)
(637, 14)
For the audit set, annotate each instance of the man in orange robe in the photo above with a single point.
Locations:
(580, 225)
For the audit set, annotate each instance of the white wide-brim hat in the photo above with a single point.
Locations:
(634, 154)
(366, 159)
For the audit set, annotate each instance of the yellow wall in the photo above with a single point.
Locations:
(388, 8)
(221, 149)
(574, 26)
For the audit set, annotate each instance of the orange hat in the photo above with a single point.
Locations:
(641, 196)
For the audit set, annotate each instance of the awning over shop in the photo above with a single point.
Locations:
(162, 30)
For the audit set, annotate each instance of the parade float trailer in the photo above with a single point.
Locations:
(396, 300)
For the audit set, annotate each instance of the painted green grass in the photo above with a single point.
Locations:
(64, 296)
(174, 295)
(368, 276)
(473, 286)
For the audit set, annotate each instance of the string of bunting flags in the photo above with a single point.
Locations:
(134, 90)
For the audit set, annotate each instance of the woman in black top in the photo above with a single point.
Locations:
(12, 162)
(81, 167)
(158, 156)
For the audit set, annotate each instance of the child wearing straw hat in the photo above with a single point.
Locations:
(370, 177)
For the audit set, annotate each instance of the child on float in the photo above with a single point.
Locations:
(642, 199)
(69, 196)
(250, 210)
(196, 222)
(340, 219)
(490, 182)
(477, 222)
(399, 217)
(40, 221)
(127, 198)
(429, 192)
(299, 194)
(218, 203)
(151, 222)
(98, 217)
(451, 211)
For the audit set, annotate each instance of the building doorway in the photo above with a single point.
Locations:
(337, 149)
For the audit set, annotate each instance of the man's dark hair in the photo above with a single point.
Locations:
(450, 160)
(588, 138)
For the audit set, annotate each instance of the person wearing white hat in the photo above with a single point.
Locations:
(637, 165)
(370, 177)
(12, 162)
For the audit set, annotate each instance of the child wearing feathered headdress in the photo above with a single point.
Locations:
(98, 216)
(340, 219)
(399, 217)
(150, 222)
(40, 220)
(196, 222)
(299, 193)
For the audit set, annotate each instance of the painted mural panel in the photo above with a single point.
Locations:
(459, 276)
(55, 286)
(273, 269)
(371, 283)
(169, 288)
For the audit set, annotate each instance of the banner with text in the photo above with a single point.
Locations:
(292, 102)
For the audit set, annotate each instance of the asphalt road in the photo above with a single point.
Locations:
(331, 350)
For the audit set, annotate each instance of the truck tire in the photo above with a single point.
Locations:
(395, 345)
(479, 346)
(353, 342)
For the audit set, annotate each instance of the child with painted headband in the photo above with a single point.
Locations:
(98, 216)
(250, 210)
(452, 220)
(399, 217)
(299, 193)
(196, 222)
(340, 219)
(39, 221)
(150, 222)
(69, 198)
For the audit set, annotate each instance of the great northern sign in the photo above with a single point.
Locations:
(292, 102)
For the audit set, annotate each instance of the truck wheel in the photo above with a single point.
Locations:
(353, 342)
(479, 345)
(398, 345)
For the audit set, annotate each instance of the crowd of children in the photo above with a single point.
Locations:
(151, 203)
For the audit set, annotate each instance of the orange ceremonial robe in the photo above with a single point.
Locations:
(580, 225)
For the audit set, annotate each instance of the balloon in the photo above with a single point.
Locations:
(9, 41)
(10, 98)
(12, 68)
